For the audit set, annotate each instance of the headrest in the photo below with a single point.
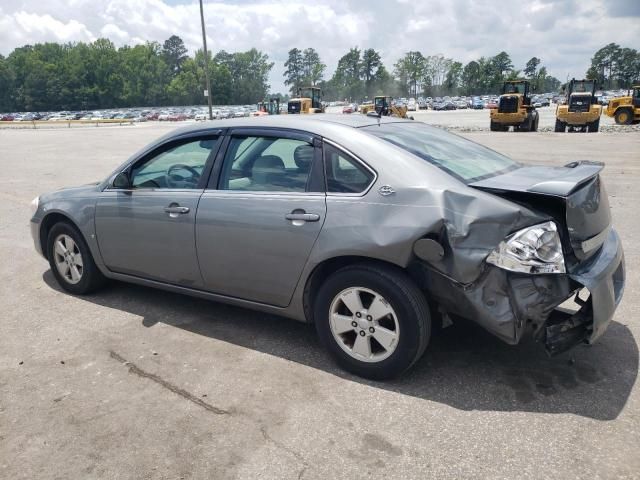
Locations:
(303, 156)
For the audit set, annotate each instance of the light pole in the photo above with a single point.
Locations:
(206, 61)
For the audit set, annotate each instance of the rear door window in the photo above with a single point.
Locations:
(267, 164)
(344, 174)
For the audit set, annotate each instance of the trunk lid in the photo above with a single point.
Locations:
(577, 185)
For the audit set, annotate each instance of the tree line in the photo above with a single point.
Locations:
(84, 76)
(361, 74)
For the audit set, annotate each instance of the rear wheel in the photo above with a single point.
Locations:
(624, 116)
(534, 124)
(494, 127)
(560, 126)
(594, 126)
(373, 320)
(71, 262)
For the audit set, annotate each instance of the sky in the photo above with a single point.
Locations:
(564, 34)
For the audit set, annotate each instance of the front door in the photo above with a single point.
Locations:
(258, 221)
(148, 229)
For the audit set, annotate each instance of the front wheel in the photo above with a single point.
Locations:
(71, 262)
(624, 116)
(373, 320)
(594, 126)
(560, 126)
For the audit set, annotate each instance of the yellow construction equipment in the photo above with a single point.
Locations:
(581, 110)
(366, 107)
(514, 109)
(309, 100)
(625, 110)
(269, 107)
(383, 106)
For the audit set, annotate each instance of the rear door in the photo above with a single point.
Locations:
(261, 214)
(148, 229)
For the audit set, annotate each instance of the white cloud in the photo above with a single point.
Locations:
(563, 33)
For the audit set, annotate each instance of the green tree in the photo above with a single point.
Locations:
(531, 68)
(312, 68)
(453, 77)
(294, 73)
(604, 64)
(174, 53)
(471, 78)
(410, 70)
(346, 81)
(370, 69)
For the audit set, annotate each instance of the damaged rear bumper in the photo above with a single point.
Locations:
(603, 275)
(513, 306)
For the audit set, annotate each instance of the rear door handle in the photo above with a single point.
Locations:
(175, 210)
(305, 217)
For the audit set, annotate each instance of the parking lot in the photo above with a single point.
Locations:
(137, 383)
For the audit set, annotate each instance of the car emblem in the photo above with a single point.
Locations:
(386, 190)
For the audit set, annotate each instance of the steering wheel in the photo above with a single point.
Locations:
(178, 181)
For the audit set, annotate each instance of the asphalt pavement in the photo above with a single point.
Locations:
(136, 383)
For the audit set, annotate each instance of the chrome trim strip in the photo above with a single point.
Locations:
(595, 241)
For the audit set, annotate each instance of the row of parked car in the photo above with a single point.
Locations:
(133, 115)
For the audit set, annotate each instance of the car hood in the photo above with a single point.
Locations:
(71, 192)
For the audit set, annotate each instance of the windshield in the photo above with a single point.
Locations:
(514, 88)
(461, 158)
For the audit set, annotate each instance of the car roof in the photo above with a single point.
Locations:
(312, 123)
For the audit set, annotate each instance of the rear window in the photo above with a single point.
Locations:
(461, 158)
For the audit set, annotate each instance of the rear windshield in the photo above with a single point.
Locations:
(461, 158)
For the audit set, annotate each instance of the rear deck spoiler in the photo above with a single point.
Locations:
(559, 181)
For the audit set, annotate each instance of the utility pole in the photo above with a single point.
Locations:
(206, 62)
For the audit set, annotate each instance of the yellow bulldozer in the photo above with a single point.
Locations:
(383, 106)
(309, 100)
(581, 112)
(514, 109)
(625, 110)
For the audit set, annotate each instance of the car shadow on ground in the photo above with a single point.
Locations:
(464, 367)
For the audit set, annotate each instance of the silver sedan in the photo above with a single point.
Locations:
(375, 230)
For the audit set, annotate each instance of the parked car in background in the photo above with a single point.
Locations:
(477, 103)
(412, 105)
(347, 109)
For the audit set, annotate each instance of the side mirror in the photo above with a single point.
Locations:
(121, 181)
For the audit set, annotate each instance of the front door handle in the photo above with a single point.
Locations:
(174, 210)
(305, 217)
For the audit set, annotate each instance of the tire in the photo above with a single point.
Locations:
(594, 126)
(624, 116)
(560, 126)
(409, 320)
(85, 277)
(534, 123)
(494, 127)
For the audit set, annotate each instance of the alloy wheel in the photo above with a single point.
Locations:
(68, 259)
(364, 324)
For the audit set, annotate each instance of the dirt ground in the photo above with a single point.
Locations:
(137, 383)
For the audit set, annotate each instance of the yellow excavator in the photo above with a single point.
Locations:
(582, 111)
(383, 106)
(309, 100)
(514, 109)
(625, 110)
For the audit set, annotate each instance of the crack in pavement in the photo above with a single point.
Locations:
(133, 368)
(299, 457)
